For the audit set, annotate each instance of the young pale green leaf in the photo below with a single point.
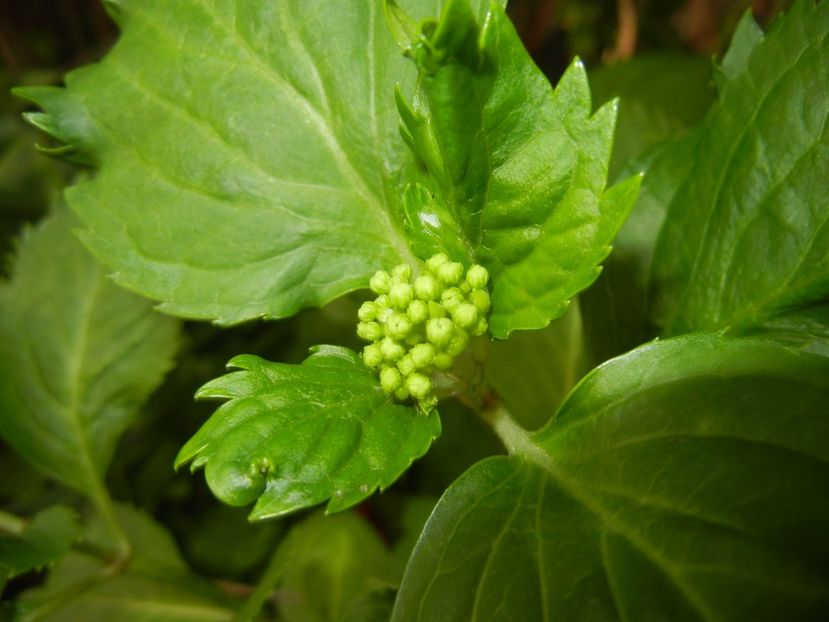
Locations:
(78, 355)
(327, 564)
(686, 480)
(154, 586)
(48, 537)
(747, 232)
(518, 167)
(250, 161)
(292, 436)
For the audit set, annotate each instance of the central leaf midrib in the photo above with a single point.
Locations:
(526, 450)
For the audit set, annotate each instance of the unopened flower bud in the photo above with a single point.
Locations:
(442, 361)
(402, 393)
(406, 365)
(427, 287)
(436, 261)
(451, 298)
(439, 331)
(418, 385)
(450, 273)
(436, 310)
(370, 331)
(367, 311)
(391, 350)
(398, 326)
(480, 328)
(418, 311)
(401, 295)
(422, 355)
(380, 282)
(390, 379)
(477, 276)
(372, 356)
(403, 272)
(465, 315)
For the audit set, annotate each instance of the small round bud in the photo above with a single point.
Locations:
(401, 295)
(398, 326)
(367, 311)
(458, 343)
(381, 302)
(427, 287)
(418, 385)
(439, 331)
(436, 261)
(372, 356)
(406, 365)
(418, 311)
(390, 379)
(480, 298)
(380, 282)
(391, 350)
(422, 355)
(451, 298)
(436, 310)
(465, 287)
(465, 315)
(481, 327)
(384, 314)
(401, 393)
(450, 273)
(370, 331)
(477, 276)
(402, 273)
(442, 361)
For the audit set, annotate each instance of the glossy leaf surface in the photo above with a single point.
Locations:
(292, 436)
(747, 232)
(687, 480)
(248, 152)
(517, 167)
(78, 355)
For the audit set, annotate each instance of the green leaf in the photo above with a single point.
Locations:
(533, 372)
(659, 97)
(686, 480)
(747, 233)
(48, 537)
(154, 586)
(292, 436)
(78, 355)
(259, 146)
(329, 565)
(517, 167)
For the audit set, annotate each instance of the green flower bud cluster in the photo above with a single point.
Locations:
(419, 324)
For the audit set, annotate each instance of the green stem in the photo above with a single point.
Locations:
(100, 496)
(270, 577)
(516, 439)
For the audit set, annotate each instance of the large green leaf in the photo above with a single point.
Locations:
(687, 480)
(39, 543)
(154, 586)
(327, 562)
(78, 355)
(292, 436)
(747, 232)
(249, 153)
(516, 170)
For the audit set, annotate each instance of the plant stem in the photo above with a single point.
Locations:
(100, 496)
(516, 440)
(270, 577)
